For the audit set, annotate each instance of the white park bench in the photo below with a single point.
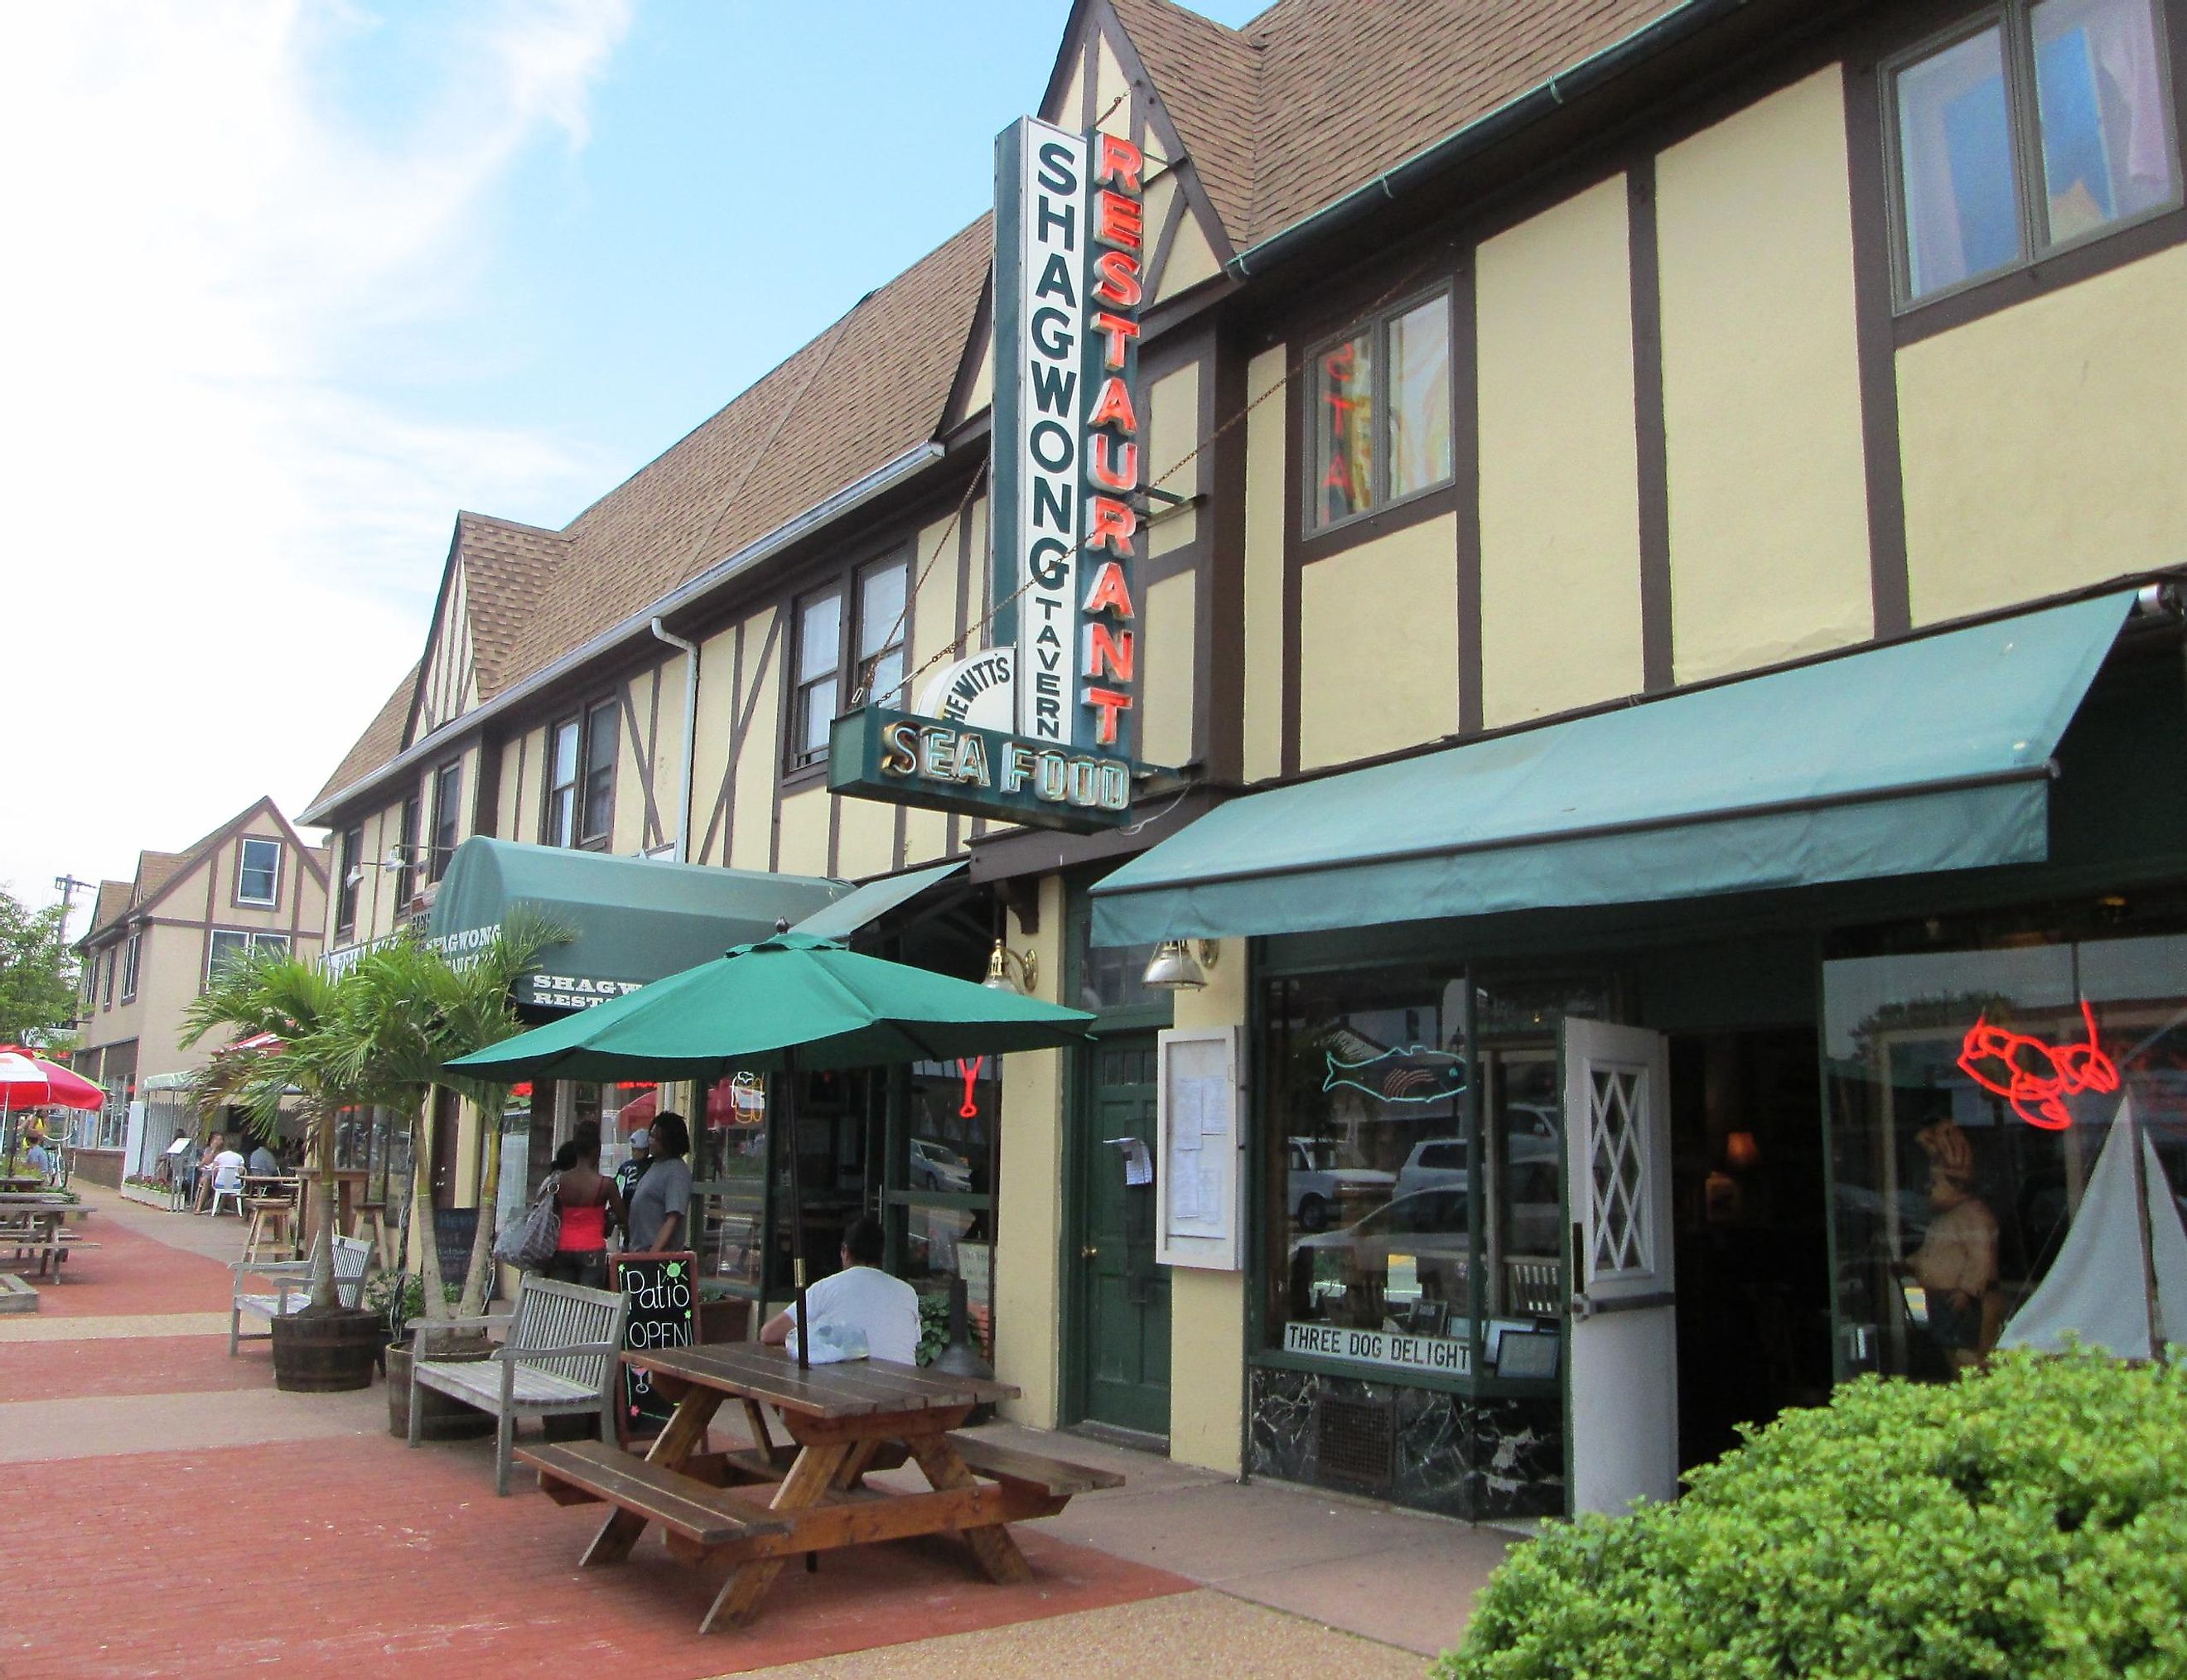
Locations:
(292, 1287)
(560, 1358)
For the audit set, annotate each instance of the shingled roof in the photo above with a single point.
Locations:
(381, 740)
(511, 569)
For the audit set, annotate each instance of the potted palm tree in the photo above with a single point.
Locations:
(325, 1346)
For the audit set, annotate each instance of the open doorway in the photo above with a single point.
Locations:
(1753, 1268)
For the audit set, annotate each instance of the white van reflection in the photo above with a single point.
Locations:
(1325, 1176)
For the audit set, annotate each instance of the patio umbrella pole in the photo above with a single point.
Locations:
(796, 1209)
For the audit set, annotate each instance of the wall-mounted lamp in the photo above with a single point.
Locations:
(396, 859)
(1741, 1154)
(999, 978)
(1177, 967)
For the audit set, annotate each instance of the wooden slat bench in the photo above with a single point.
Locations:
(1054, 1478)
(585, 1472)
(559, 1359)
(292, 1290)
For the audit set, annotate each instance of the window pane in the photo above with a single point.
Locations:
(2107, 139)
(561, 811)
(880, 608)
(273, 944)
(1956, 173)
(259, 872)
(600, 739)
(819, 702)
(600, 744)
(1344, 431)
(819, 637)
(566, 753)
(225, 949)
(1419, 398)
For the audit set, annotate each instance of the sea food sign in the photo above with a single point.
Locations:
(1037, 729)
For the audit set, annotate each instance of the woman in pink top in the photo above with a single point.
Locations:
(586, 1200)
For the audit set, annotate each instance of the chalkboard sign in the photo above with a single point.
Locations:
(662, 1292)
(453, 1229)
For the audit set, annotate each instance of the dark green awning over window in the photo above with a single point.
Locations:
(875, 899)
(636, 919)
(1930, 754)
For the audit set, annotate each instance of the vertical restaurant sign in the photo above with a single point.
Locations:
(1069, 265)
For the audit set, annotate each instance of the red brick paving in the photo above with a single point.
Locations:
(131, 1273)
(78, 1370)
(357, 1557)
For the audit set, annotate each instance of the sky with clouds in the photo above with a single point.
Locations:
(291, 281)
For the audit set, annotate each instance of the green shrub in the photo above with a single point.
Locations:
(2031, 1520)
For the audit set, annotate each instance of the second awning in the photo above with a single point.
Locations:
(1928, 753)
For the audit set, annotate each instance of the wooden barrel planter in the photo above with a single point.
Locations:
(326, 1352)
(443, 1416)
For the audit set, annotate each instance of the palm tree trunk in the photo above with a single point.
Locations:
(322, 1239)
(434, 1304)
(478, 1281)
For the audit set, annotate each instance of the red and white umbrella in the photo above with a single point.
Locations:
(28, 1081)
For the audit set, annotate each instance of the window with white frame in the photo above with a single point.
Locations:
(351, 878)
(2036, 125)
(882, 617)
(226, 946)
(447, 802)
(818, 668)
(1379, 428)
(581, 764)
(130, 954)
(258, 872)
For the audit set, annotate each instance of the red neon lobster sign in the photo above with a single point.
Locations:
(2033, 1076)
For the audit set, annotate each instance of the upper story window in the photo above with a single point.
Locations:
(581, 762)
(882, 616)
(106, 961)
(818, 668)
(351, 877)
(130, 953)
(406, 877)
(447, 803)
(2039, 123)
(227, 945)
(258, 872)
(1380, 429)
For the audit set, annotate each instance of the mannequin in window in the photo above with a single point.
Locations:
(1956, 1264)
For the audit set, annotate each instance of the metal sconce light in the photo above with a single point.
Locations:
(397, 858)
(1175, 967)
(999, 978)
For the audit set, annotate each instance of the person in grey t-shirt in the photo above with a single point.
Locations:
(661, 1201)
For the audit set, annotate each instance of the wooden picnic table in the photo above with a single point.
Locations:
(29, 1222)
(757, 1509)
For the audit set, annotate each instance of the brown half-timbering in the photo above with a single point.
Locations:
(657, 830)
(649, 828)
(1889, 587)
(1153, 116)
(1465, 488)
(1651, 454)
(1218, 684)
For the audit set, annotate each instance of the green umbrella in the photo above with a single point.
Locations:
(787, 1004)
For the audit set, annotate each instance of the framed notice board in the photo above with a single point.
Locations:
(1200, 1155)
(662, 1292)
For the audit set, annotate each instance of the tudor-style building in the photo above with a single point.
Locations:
(1641, 632)
(251, 885)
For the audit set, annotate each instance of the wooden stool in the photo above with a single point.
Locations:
(368, 1220)
(271, 1220)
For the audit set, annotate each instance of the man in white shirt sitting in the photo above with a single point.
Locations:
(860, 1297)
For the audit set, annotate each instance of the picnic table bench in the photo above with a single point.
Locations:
(756, 1507)
(39, 1225)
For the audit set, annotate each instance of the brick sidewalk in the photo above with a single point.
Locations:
(203, 1523)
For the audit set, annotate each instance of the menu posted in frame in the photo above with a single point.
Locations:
(1199, 1165)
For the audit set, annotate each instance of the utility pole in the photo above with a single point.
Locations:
(68, 886)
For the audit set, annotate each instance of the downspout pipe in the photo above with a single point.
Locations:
(690, 736)
(1676, 25)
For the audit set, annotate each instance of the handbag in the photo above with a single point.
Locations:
(531, 1242)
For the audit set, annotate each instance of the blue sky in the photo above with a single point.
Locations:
(296, 279)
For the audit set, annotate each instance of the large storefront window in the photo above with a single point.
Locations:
(1971, 1093)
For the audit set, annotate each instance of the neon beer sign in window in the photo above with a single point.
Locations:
(2034, 1077)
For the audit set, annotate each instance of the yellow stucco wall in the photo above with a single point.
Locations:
(1167, 636)
(1191, 260)
(1173, 433)
(1768, 511)
(756, 763)
(1207, 1309)
(668, 748)
(1559, 468)
(1028, 1200)
(1265, 489)
(717, 702)
(865, 839)
(804, 834)
(627, 835)
(1378, 645)
(2042, 445)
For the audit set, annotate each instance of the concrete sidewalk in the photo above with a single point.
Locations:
(111, 1409)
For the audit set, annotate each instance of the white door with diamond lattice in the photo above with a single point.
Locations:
(1622, 1375)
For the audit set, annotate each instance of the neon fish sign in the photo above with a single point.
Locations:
(1414, 1074)
(2036, 1078)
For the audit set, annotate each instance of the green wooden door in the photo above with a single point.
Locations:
(1122, 1296)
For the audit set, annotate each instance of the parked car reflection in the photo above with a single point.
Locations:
(1324, 1176)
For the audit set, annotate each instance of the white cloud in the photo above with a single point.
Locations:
(219, 547)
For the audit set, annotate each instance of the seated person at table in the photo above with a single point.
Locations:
(862, 1297)
(214, 1146)
(40, 1157)
(227, 1170)
(264, 1164)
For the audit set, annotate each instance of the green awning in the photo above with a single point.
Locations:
(869, 902)
(636, 919)
(1929, 753)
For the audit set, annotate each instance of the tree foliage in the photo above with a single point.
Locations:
(2028, 1521)
(37, 975)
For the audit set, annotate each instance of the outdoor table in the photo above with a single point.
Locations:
(347, 1179)
(41, 1219)
(21, 1182)
(754, 1510)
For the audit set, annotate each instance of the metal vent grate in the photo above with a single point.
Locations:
(1356, 1442)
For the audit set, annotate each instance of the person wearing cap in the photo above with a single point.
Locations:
(633, 1169)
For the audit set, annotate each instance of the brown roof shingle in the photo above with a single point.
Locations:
(1207, 78)
(509, 567)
